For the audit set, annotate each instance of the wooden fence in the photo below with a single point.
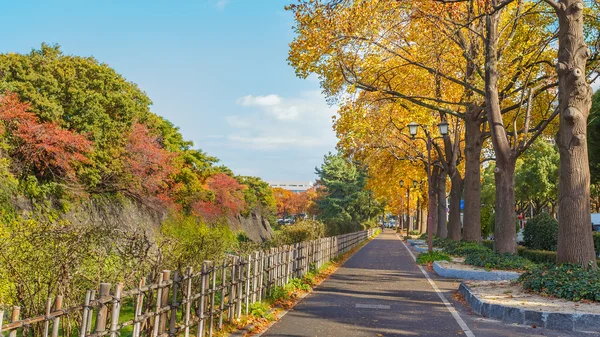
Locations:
(182, 304)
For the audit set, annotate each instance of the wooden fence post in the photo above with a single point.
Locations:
(223, 288)
(188, 301)
(247, 282)
(14, 316)
(232, 290)
(56, 323)
(174, 304)
(202, 300)
(240, 287)
(102, 308)
(49, 310)
(139, 303)
(164, 301)
(159, 292)
(88, 325)
(116, 309)
(212, 299)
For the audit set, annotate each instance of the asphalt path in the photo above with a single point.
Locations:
(380, 291)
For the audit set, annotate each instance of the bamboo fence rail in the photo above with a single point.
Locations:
(190, 303)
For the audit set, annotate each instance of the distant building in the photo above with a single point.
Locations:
(294, 186)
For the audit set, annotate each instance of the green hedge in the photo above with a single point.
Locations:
(597, 242)
(565, 281)
(537, 256)
(489, 259)
(459, 248)
(541, 233)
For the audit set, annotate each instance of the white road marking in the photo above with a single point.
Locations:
(372, 306)
(449, 306)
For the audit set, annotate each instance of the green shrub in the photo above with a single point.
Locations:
(304, 230)
(424, 236)
(537, 256)
(565, 281)
(459, 248)
(429, 257)
(597, 242)
(414, 232)
(541, 233)
(260, 310)
(489, 259)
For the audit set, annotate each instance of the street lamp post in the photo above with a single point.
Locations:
(412, 129)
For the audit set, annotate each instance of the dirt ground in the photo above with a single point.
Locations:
(510, 293)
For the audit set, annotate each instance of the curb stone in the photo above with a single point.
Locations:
(422, 249)
(578, 322)
(416, 242)
(479, 275)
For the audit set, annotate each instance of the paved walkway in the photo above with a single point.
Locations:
(380, 291)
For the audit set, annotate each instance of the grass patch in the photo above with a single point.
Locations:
(429, 257)
(493, 260)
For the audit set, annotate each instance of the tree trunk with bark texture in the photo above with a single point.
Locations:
(418, 215)
(575, 243)
(504, 231)
(472, 181)
(442, 228)
(454, 226)
(423, 220)
(505, 239)
(432, 209)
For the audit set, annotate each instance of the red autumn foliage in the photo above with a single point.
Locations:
(46, 148)
(229, 198)
(148, 165)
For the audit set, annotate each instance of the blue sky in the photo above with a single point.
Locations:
(215, 68)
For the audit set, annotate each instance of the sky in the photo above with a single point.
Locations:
(215, 68)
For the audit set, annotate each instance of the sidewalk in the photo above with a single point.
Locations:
(380, 291)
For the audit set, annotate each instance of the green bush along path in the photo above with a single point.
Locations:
(380, 291)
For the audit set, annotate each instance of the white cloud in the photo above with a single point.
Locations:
(272, 122)
(268, 100)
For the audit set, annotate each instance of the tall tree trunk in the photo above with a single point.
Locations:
(418, 215)
(575, 243)
(432, 210)
(505, 239)
(423, 225)
(472, 181)
(454, 214)
(442, 229)
(504, 232)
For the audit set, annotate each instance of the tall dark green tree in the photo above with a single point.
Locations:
(346, 205)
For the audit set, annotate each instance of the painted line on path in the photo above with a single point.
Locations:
(372, 306)
(449, 306)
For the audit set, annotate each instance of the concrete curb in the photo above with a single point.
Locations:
(578, 322)
(422, 249)
(480, 275)
(416, 242)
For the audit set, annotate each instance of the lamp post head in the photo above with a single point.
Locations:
(415, 183)
(443, 126)
(413, 128)
(401, 183)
